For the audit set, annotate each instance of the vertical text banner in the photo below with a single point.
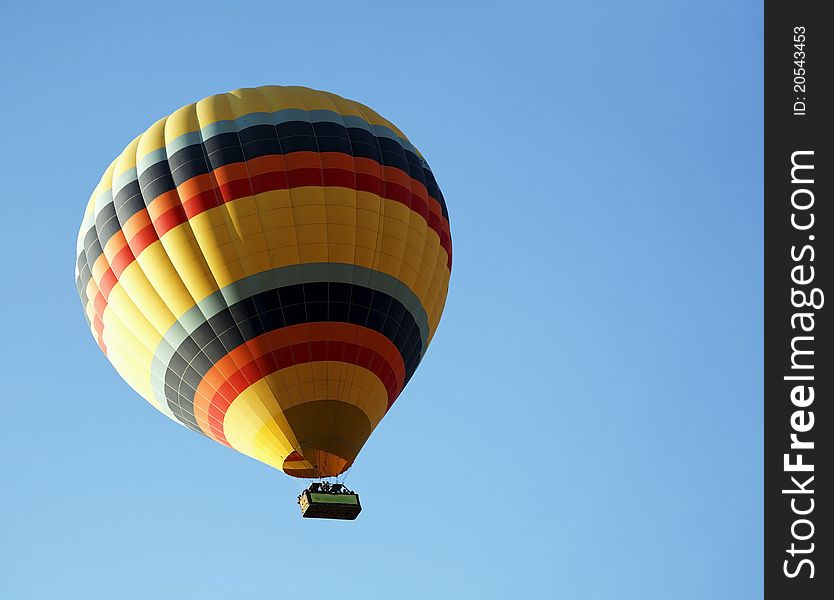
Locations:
(799, 300)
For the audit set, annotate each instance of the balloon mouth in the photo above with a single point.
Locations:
(314, 464)
(325, 446)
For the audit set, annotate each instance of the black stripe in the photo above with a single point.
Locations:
(284, 307)
(263, 140)
(128, 201)
(90, 238)
(434, 192)
(94, 250)
(182, 157)
(89, 254)
(81, 261)
(106, 222)
(81, 286)
(84, 276)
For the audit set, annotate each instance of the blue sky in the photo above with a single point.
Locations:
(596, 380)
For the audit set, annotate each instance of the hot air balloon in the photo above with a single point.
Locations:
(268, 267)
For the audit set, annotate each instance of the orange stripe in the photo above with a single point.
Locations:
(222, 375)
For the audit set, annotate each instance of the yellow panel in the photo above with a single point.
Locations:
(154, 137)
(245, 418)
(315, 233)
(273, 200)
(212, 109)
(255, 263)
(309, 215)
(130, 358)
(339, 196)
(251, 242)
(254, 422)
(408, 275)
(220, 234)
(370, 202)
(330, 380)
(120, 305)
(398, 212)
(137, 286)
(364, 257)
(341, 253)
(338, 214)
(278, 218)
(367, 219)
(127, 159)
(394, 227)
(394, 247)
(367, 238)
(308, 195)
(387, 263)
(312, 253)
(191, 266)
(180, 122)
(242, 207)
(247, 100)
(341, 234)
(284, 256)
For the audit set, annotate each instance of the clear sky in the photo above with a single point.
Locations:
(596, 380)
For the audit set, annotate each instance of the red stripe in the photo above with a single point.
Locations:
(120, 262)
(294, 457)
(146, 236)
(240, 188)
(276, 180)
(323, 331)
(108, 280)
(202, 201)
(218, 396)
(162, 225)
(292, 356)
(195, 205)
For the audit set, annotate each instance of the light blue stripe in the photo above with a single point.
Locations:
(156, 156)
(290, 114)
(98, 199)
(255, 118)
(164, 352)
(381, 131)
(219, 127)
(357, 123)
(158, 388)
(102, 200)
(124, 180)
(325, 116)
(187, 139)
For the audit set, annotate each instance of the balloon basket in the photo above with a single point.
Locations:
(325, 501)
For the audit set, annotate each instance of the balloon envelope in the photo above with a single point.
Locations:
(267, 267)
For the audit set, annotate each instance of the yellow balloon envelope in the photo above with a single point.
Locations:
(267, 267)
